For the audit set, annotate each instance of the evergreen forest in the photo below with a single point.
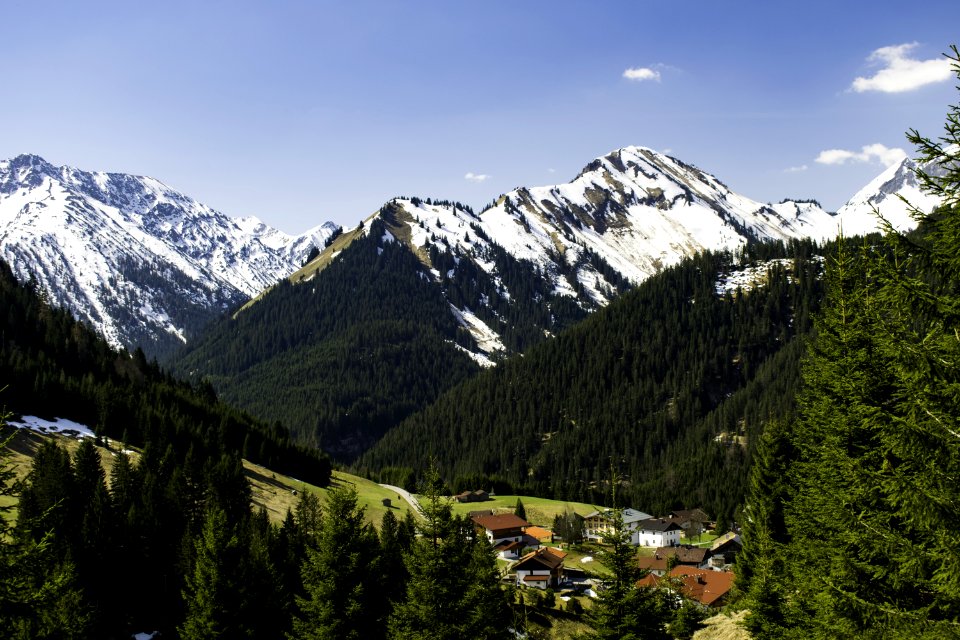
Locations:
(671, 384)
(349, 351)
(814, 409)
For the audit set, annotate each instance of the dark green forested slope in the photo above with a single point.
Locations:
(645, 385)
(53, 366)
(350, 350)
(83, 562)
(342, 357)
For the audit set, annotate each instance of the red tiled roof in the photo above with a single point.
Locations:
(544, 556)
(538, 532)
(652, 563)
(556, 552)
(649, 580)
(702, 585)
(502, 521)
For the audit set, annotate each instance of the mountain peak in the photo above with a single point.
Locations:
(25, 160)
(24, 169)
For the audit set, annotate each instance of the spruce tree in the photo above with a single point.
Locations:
(212, 591)
(93, 528)
(38, 593)
(762, 561)
(871, 543)
(341, 577)
(453, 590)
(394, 543)
(520, 511)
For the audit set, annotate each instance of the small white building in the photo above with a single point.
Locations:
(508, 549)
(658, 532)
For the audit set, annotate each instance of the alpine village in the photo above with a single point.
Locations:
(634, 405)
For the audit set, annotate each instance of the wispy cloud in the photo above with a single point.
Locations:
(877, 153)
(476, 177)
(799, 169)
(900, 72)
(640, 74)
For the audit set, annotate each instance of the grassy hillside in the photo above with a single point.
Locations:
(273, 491)
(540, 511)
(277, 493)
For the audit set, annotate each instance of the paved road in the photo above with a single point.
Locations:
(406, 495)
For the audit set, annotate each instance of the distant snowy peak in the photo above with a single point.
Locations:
(625, 216)
(641, 210)
(892, 194)
(136, 259)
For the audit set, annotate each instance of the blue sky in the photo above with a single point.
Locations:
(302, 112)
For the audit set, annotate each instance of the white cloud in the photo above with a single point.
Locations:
(476, 177)
(799, 169)
(641, 73)
(901, 73)
(869, 153)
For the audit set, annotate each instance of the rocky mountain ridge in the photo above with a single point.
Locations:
(140, 262)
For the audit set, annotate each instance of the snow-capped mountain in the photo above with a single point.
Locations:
(148, 265)
(142, 263)
(892, 193)
(623, 218)
(640, 211)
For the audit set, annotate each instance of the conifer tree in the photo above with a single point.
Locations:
(93, 527)
(871, 540)
(761, 561)
(341, 577)
(38, 593)
(624, 611)
(520, 511)
(395, 542)
(211, 593)
(453, 590)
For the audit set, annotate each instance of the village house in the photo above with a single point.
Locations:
(498, 528)
(709, 588)
(693, 521)
(657, 532)
(541, 535)
(598, 524)
(509, 549)
(540, 569)
(663, 558)
(724, 551)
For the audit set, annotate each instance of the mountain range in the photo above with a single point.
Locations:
(143, 264)
(374, 323)
(148, 266)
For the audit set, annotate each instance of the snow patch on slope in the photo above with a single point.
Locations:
(60, 426)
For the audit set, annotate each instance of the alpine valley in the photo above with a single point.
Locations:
(631, 336)
(345, 333)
